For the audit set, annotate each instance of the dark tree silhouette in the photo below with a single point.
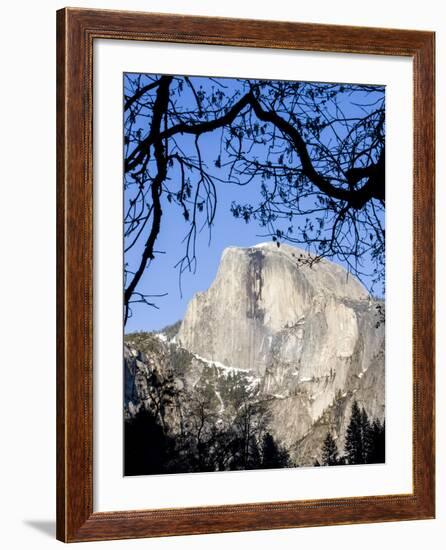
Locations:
(378, 438)
(315, 152)
(364, 441)
(273, 456)
(367, 437)
(354, 448)
(330, 451)
(146, 446)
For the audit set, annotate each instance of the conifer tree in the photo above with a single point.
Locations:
(364, 441)
(378, 453)
(367, 438)
(353, 439)
(329, 451)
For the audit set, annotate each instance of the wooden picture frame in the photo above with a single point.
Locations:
(76, 31)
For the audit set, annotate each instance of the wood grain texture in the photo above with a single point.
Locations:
(76, 31)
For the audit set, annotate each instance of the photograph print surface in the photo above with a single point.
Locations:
(254, 274)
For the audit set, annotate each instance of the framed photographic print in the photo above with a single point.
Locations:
(245, 275)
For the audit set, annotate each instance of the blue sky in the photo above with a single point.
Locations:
(162, 277)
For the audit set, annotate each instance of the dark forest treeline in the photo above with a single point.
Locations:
(364, 442)
(245, 444)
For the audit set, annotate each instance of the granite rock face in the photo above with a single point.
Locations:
(310, 331)
(266, 292)
(308, 334)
